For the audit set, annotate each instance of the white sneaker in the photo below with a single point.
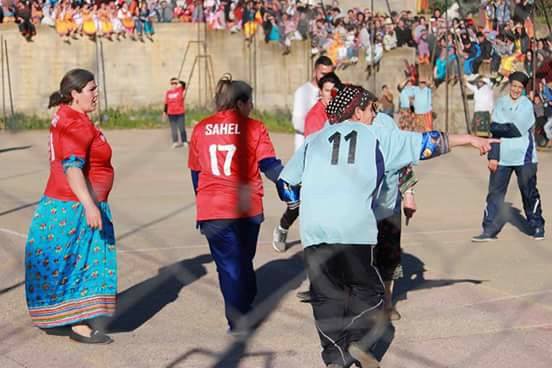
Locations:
(279, 237)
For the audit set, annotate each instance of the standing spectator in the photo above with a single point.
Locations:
(390, 38)
(175, 111)
(422, 107)
(166, 12)
(483, 105)
(513, 121)
(502, 14)
(386, 101)
(70, 259)
(406, 117)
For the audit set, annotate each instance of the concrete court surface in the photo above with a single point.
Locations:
(464, 305)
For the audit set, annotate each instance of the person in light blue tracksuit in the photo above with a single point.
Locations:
(513, 121)
(341, 170)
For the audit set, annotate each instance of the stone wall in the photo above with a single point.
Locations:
(137, 73)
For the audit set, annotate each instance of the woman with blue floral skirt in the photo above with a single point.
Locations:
(70, 259)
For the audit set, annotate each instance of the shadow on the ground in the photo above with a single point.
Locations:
(19, 208)
(139, 303)
(12, 287)
(269, 357)
(18, 148)
(514, 216)
(414, 278)
(275, 279)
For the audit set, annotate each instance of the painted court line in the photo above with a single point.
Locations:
(14, 233)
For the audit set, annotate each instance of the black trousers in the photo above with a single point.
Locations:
(388, 251)
(289, 217)
(346, 297)
(493, 218)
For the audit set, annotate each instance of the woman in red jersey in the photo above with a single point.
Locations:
(70, 260)
(228, 150)
(317, 117)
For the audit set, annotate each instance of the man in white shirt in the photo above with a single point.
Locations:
(306, 96)
(483, 98)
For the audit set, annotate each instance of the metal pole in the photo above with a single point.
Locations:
(447, 69)
(255, 69)
(3, 80)
(98, 73)
(461, 76)
(373, 49)
(534, 50)
(199, 66)
(389, 7)
(9, 76)
(205, 67)
(545, 17)
(102, 58)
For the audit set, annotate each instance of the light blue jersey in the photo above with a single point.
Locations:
(422, 100)
(341, 169)
(521, 150)
(387, 200)
(404, 98)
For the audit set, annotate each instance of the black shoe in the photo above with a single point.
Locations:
(96, 337)
(538, 234)
(304, 296)
(482, 238)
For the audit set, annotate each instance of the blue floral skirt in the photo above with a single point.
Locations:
(70, 268)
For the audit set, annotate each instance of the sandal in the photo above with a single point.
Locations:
(96, 337)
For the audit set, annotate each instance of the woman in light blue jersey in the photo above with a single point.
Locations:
(340, 170)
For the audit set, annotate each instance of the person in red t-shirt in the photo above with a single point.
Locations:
(175, 110)
(228, 150)
(329, 84)
(70, 260)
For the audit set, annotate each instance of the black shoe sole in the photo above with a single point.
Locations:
(57, 331)
(96, 338)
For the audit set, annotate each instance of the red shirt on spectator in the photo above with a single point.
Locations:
(315, 119)
(73, 134)
(226, 150)
(174, 99)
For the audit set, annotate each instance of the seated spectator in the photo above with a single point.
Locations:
(404, 35)
(22, 15)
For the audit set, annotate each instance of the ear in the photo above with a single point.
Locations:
(357, 114)
(74, 95)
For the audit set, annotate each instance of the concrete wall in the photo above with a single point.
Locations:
(137, 73)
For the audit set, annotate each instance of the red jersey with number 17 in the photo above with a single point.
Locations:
(226, 149)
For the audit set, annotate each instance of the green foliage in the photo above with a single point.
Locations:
(145, 118)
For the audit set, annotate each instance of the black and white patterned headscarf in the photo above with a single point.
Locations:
(342, 106)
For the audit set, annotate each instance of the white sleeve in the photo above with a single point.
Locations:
(300, 109)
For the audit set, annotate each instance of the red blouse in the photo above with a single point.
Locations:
(315, 119)
(74, 136)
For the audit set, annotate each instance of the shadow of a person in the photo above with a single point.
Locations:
(414, 279)
(139, 303)
(513, 216)
(275, 279)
